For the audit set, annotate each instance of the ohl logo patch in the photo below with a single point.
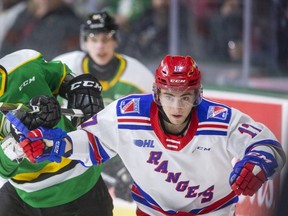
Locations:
(144, 143)
(217, 112)
(130, 106)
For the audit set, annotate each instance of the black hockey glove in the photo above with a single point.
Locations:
(48, 116)
(124, 184)
(84, 93)
(116, 170)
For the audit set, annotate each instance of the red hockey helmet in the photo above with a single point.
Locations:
(178, 73)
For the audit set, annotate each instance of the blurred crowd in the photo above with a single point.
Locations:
(209, 30)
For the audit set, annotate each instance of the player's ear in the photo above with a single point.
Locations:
(116, 44)
(3, 80)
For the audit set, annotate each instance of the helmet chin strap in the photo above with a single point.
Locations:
(163, 114)
(164, 117)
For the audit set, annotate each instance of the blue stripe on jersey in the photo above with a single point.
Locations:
(273, 143)
(211, 132)
(92, 157)
(141, 197)
(234, 200)
(145, 199)
(135, 127)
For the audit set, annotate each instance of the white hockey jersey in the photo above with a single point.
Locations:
(130, 77)
(173, 174)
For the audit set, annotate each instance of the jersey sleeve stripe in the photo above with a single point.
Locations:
(99, 154)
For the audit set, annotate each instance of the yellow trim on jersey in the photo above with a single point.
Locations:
(3, 74)
(1, 127)
(15, 68)
(56, 91)
(106, 85)
(49, 168)
(85, 67)
(28, 60)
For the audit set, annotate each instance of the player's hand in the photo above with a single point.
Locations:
(48, 116)
(84, 93)
(44, 144)
(251, 172)
(124, 184)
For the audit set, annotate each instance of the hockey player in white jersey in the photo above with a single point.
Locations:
(118, 74)
(177, 146)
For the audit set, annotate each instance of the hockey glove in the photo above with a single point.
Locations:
(123, 185)
(48, 116)
(251, 172)
(45, 144)
(84, 92)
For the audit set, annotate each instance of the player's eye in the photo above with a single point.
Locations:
(187, 98)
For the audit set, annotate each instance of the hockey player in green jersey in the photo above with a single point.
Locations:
(47, 188)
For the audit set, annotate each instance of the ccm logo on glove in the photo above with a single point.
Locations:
(88, 83)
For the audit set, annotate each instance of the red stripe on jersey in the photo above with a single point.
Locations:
(212, 126)
(155, 207)
(94, 146)
(135, 190)
(216, 205)
(134, 120)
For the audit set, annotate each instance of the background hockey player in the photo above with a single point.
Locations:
(65, 188)
(119, 75)
(177, 145)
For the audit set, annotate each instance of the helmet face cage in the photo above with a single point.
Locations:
(100, 22)
(178, 74)
(198, 93)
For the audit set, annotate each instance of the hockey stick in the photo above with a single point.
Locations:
(24, 130)
(6, 107)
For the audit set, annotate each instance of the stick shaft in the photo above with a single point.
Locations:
(6, 107)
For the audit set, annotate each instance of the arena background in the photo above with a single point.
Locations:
(240, 46)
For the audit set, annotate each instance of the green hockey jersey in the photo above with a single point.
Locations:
(44, 184)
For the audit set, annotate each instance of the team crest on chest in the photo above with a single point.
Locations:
(217, 112)
(130, 106)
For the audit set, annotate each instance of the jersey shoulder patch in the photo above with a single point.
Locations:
(214, 112)
(135, 105)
